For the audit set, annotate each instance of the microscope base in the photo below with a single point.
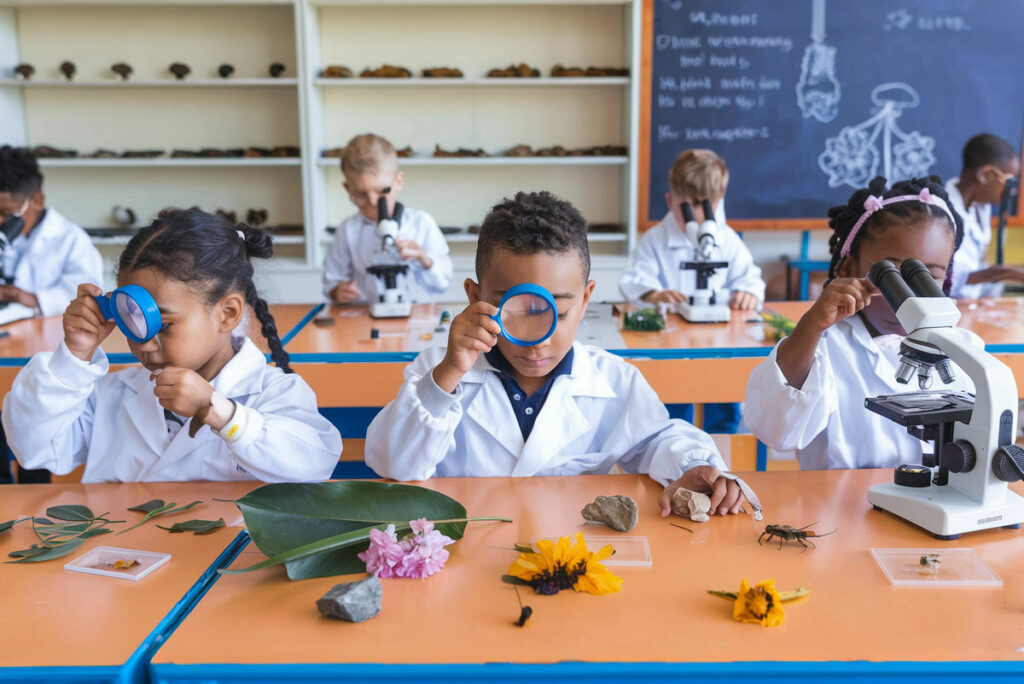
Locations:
(945, 512)
(703, 313)
(390, 310)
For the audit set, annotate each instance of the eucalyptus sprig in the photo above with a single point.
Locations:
(157, 508)
(75, 524)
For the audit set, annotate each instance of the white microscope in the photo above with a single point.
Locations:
(392, 299)
(704, 305)
(963, 487)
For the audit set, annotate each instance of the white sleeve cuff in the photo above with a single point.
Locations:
(73, 371)
(434, 399)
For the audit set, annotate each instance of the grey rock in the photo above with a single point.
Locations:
(617, 512)
(353, 601)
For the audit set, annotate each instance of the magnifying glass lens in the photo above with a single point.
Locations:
(527, 317)
(131, 314)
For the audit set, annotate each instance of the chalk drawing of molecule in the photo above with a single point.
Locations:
(852, 157)
(818, 91)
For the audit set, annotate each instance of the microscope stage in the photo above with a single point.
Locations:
(923, 408)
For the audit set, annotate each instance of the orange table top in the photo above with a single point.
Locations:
(663, 614)
(53, 617)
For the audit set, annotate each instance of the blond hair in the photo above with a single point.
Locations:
(698, 174)
(368, 153)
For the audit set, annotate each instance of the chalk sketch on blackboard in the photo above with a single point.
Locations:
(818, 90)
(898, 20)
(853, 157)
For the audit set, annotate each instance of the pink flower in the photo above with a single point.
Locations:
(419, 554)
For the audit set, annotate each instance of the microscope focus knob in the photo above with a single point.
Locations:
(959, 456)
(1008, 463)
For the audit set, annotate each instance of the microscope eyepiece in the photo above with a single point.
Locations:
(688, 214)
(382, 208)
(888, 280)
(920, 279)
(709, 211)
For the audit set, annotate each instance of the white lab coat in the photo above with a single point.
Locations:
(62, 412)
(825, 421)
(971, 255)
(51, 262)
(662, 248)
(601, 414)
(356, 244)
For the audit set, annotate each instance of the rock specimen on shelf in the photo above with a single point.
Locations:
(617, 512)
(692, 505)
(179, 70)
(404, 152)
(47, 152)
(353, 601)
(333, 152)
(101, 154)
(124, 217)
(225, 70)
(24, 72)
(556, 151)
(122, 71)
(386, 71)
(518, 151)
(255, 152)
(285, 151)
(276, 69)
(256, 217)
(606, 71)
(461, 152)
(514, 71)
(559, 71)
(337, 71)
(605, 228)
(68, 69)
(142, 154)
(442, 72)
(229, 216)
(184, 154)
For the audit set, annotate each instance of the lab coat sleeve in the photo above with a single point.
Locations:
(416, 431)
(963, 267)
(743, 275)
(644, 274)
(433, 280)
(48, 414)
(284, 438)
(786, 418)
(338, 265)
(663, 447)
(82, 265)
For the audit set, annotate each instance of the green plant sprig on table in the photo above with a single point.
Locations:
(56, 539)
(157, 508)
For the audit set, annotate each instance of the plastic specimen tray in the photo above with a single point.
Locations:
(101, 560)
(955, 568)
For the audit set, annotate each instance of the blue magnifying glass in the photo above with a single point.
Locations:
(134, 311)
(527, 315)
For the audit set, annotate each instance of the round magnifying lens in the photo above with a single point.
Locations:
(527, 315)
(134, 311)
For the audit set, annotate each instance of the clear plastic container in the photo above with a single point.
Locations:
(120, 563)
(628, 550)
(944, 568)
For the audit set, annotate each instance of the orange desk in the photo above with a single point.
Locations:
(52, 618)
(262, 626)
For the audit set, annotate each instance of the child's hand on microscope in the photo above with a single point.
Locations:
(346, 291)
(410, 251)
(842, 298)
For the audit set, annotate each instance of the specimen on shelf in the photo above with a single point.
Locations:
(45, 151)
(179, 70)
(386, 71)
(122, 71)
(225, 70)
(461, 152)
(352, 601)
(404, 152)
(184, 154)
(442, 72)
(514, 71)
(605, 228)
(565, 564)
(518, 151)
(333, 152)
(142, 154)
(785, 533)
(101, 153)
(606, 71)
(257, 152)
(24, 72)
(555, 151)
(219, 152)
(760, 604)
(124, 217)
(276, 69)
(559, 71)
(256, 217)
(229, 216)
(689, 504)
(285, 151)
(617, 512)
(68, 69)
(337, 71)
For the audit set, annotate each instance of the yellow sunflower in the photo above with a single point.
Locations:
(760, 603)
(566, 564)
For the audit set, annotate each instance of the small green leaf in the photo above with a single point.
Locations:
(52, 552)
(523, 548)
(33, 550)
(43, 521)
(182, 508)
(149, 506)
(156, 512)
(95, 533)
(72, 512)
(4, 526)
(509, 579)
(195, 526)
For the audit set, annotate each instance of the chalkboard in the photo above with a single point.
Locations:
(807, 99)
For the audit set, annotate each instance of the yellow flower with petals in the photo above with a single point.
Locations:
(760, 603)
(566, 564)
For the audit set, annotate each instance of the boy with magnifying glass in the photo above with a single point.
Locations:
(513, 393)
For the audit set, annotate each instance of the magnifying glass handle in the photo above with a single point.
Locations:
(105, 306)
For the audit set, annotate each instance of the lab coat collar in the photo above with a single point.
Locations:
(880, 362)
(584, 379)
(676, 237)
(241, 376)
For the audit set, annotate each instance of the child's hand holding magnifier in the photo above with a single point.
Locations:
(85, 326)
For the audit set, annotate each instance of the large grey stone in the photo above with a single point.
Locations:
(352, 601)
(617, 512)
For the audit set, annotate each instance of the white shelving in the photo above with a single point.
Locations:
(501, 161)
(131, 163)
(420, 82)
(154, 83)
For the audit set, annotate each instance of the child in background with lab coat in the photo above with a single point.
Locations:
(809, 394)
(49, 256)
(370, 166)
(486, 407)
(204, 405)
(656, 277)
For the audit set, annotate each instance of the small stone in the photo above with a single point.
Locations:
(692, 505)
(352, 601)
(617, 512)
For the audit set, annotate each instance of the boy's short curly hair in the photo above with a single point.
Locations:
(531, 223)
(369, 153)
(19, 172)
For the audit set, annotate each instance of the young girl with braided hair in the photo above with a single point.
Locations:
(204, 405)
(808, 396)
